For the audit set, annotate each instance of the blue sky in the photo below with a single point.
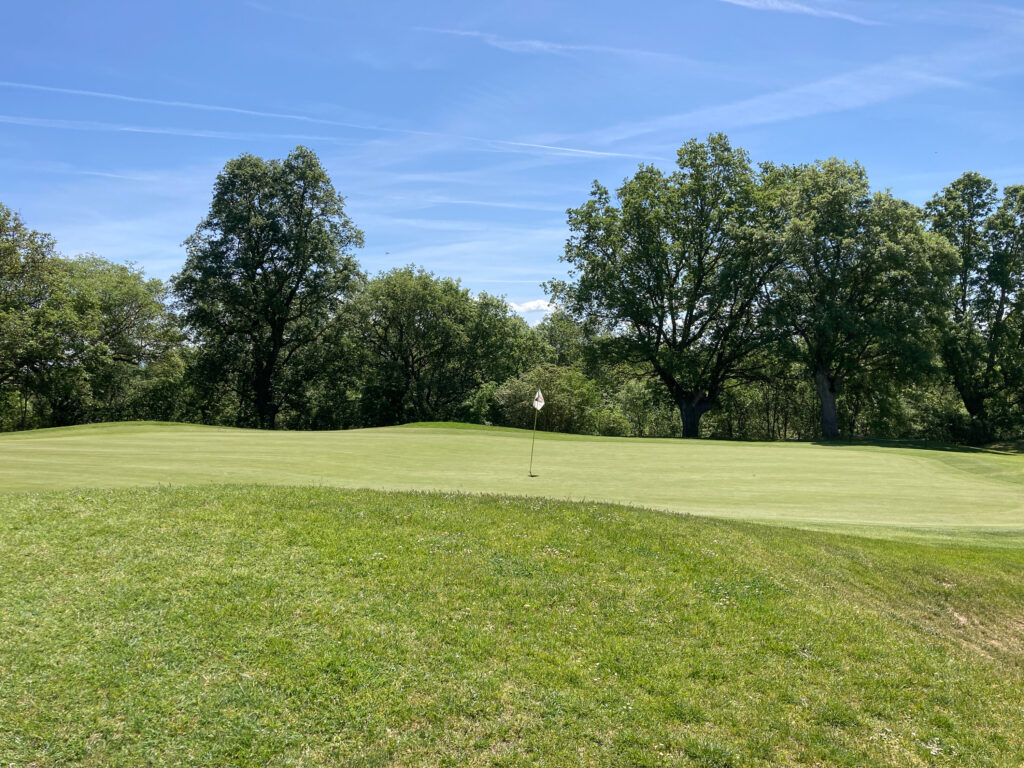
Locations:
(460, 132)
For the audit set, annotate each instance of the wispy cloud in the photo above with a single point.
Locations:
(787, 6)
(556, 49)
(90, 125)
(898, 78)
(179, 104)
(190, 180)
(499, 255)
(497, 144)
(495, 204)
(975, 15)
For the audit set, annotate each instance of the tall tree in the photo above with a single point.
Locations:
(859, 290)
(567, 339)
(982, 337)
(1005, 233)
(675, 271)
(131, 338)
(265, 271)
(77, 336)
(31, 321)
(427, 344)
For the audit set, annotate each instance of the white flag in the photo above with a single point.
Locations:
(538, 400)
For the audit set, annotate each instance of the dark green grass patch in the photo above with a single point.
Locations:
(301, 627)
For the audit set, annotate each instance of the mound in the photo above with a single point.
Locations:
(282, 626)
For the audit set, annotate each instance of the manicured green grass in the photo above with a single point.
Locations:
(299, 627)
(867, 488)
(225, 621)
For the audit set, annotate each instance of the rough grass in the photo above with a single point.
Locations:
(286, 626)
(867, 488)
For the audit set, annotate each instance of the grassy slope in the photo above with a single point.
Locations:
(262, 626)
(835, 485)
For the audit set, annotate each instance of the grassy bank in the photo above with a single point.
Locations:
(277, 626)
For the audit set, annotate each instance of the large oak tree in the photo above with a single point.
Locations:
(862, 280)
(675, 271)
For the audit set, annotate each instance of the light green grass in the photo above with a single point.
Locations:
(226, 622)
(864, 488)
(256, 626)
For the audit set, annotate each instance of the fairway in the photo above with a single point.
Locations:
(840, 486)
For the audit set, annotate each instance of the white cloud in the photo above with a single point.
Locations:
(787, 6)
(535, 305)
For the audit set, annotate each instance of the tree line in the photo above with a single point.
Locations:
(719, 299)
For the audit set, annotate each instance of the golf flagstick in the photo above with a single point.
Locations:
(538, 403)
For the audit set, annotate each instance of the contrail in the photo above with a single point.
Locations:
(92, 125)
(300, 118)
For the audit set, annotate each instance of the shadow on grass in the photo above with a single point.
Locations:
(1007, 448)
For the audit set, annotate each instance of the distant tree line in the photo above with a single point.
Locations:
(718, 300)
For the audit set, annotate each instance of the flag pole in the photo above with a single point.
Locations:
(536, 413)
(538, 403)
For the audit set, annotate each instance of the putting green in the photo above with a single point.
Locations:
(797, 483)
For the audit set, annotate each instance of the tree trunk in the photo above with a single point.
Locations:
(974, 404)
(971, 395)
(691, 408)
(827, 389)
(266, 408)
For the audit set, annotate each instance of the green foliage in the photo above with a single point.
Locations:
(266, 270)
(857, 298)
(426, 345)
(645, 409)
(33, 321)
(571, 400)
(80, 339)
(778, 404)
(712, 300)
(132, 365)
(675, 271)
(983, 332)
(568, 340)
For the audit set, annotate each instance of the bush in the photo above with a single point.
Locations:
(571, 400)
